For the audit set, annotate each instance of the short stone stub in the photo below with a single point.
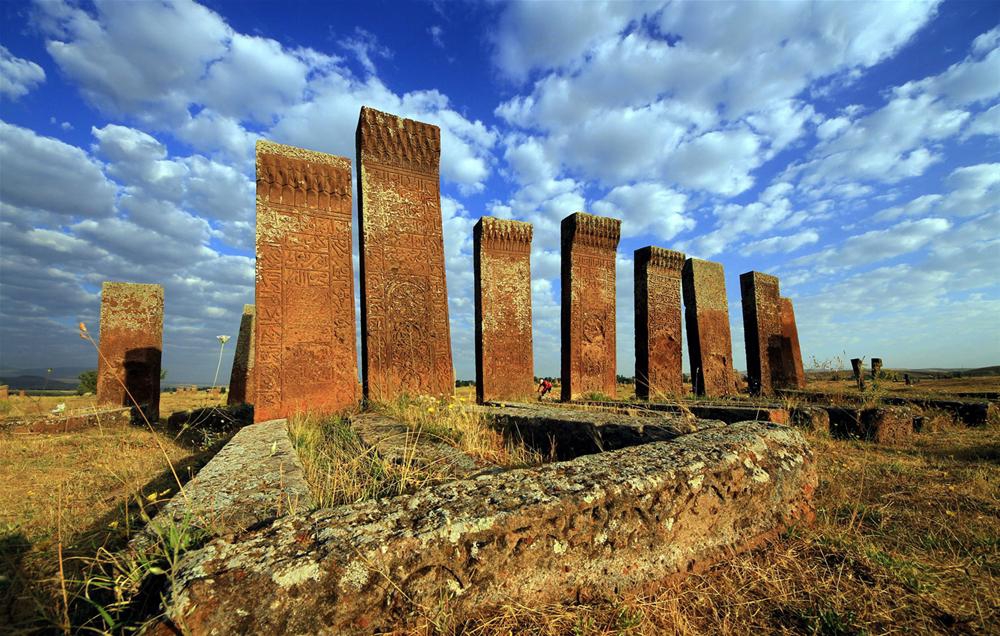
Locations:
(241, 383)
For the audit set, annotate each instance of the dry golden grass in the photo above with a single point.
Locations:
(39, 406)
(942, 387)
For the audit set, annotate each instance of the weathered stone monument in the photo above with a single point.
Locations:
(305, 352)
(658, 322)
(502, 262)
(876, 368)
(4, 392)
(794, 375)
(706, 316)
(131, 344)
(761, 330)
(241, 378)
(859, 372)
(589, 245)
(405, 335)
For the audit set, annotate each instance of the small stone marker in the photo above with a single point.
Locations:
(22, 393)
(706, 316)
(405, 335)
(305, 352)
(241, 379)
(131, 345)
(658, 322)
(859, 373)
(876, 368)
(761, 330)
(4, 392)
(793, 373)
(906, 379)
(589, 246)
(502, 261)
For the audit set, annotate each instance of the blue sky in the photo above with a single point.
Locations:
(852, 149)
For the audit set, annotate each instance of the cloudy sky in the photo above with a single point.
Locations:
(852, 149)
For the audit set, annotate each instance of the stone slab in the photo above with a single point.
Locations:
(305, 352)
(793, 375)
(706, 316)
(505, 367)
(405, 334)
(658, 355)
(724, 412)
(761, 330)
(241, 382)
(131, 346)
(70, 422)
(587, 528)
(971, 412)
(882, 425)
(589, 246)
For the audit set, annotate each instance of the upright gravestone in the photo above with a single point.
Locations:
(405, 336)
(305, 353)
(761, 330)
(4, 392)
(857, 365)
(876, 368)
(502, 262)
(706, 315)
(131, 345)
(658, 322)
(793, 371)
(589, 246)
(241, 379)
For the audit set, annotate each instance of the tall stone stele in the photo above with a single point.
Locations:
(706, 316)
(793, 370)
(762, 331)
(589, 246)
(658, 322)
(305, 357)
(241, 378)
(131, 346)
(502, 264)
(405, 336)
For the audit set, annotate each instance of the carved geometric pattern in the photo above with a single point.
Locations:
(405, 335)
(589, 246)
(502, 264)
(706, 316)
(305, 353)
(658, 322)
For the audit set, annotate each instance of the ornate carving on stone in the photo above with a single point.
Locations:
(241, 384)
(706, 316)
(658, 322)
(405, 335)
(794, 376)
(504, 357)
(304, 351)
(131, 345)
(589, 245)
(762, 331)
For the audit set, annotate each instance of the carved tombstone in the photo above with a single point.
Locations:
(131, 345)
(793, 373)
(241, 379)
(502, 261)
(857, 365)
(405, 336)
(761, 330)
(658, 322)
(706, 316)
(305, 353)
(876, 368)
(589, 246)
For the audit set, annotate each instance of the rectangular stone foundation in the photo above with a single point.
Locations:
(502, 264)
(589, 246)
(706, 316)
(761, 330)
(241, 382)
(588, 528)
(305, 352)
(882, 425)
(793, 374)
(405, 335)
(131, 345)
(658, 322)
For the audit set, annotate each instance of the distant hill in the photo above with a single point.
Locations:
(37, 382)
(59, 374)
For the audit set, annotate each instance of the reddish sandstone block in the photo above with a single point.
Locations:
(131, 344)
(405, 335)
(706, 315)
(4, 391)
(658, 322)
(761, 330)
(304, 349)
(589, 245)
(241, 378)
(793, 374)
(504, 357)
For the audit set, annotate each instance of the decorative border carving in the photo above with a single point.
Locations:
(398, 142)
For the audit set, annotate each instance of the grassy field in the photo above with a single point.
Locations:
(907, 540)
(16, 407)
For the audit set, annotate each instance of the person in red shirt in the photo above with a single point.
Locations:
(543, 387)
